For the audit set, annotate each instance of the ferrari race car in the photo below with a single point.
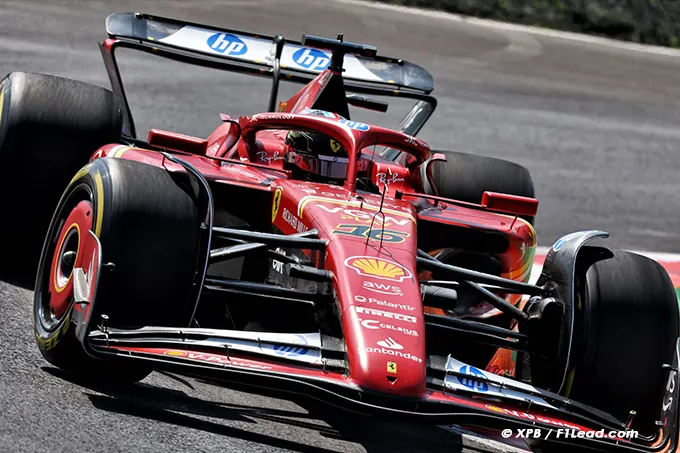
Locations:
(305, 251)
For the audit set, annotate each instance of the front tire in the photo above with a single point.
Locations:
(148, 227)
(626, 327)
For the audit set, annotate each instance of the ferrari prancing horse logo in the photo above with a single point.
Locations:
(277, 203)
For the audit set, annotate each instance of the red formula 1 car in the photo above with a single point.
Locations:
(308, 252)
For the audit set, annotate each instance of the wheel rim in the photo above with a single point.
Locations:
(66, 256)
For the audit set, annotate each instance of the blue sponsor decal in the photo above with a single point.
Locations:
(311, 59)
(559, 244)
(227, 44)
(562, 241)
(355, 125)
(473, 384)
(290, 351)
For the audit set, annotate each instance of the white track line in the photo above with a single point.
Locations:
(588, 39)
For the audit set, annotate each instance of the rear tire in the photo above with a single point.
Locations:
(49, 128)
(466, 177)
(626, 328)
(148, 227)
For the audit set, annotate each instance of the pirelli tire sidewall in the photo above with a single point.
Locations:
(57, 342)
(148, 226)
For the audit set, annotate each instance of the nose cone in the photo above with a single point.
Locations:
(387, 353)
(383, 323)
(373, 260)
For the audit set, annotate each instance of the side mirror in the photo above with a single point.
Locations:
(173, 141)
(512, 204)
(426, 174)
(440, 157)
(233, 135)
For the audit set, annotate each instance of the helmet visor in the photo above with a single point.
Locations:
(326, 166)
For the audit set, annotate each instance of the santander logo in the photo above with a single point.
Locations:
(389, 343)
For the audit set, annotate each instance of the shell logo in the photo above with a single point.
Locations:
(378, 268)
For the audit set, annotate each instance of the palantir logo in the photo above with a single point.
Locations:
(312, 59)
(227, 44)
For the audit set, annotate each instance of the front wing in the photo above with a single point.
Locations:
(304, 364)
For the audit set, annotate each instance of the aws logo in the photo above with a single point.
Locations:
(383, 288)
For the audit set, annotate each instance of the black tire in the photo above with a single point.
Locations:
(466, 177)
(49, 128)
(626, 329)
(148, 226)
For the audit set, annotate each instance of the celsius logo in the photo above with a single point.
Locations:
(311, 59)
(227, 44)
(372, 324)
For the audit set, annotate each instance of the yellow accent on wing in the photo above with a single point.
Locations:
(353, 203)
(117, 151)
(121, 151)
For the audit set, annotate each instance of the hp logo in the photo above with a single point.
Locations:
(227, 44)
(473, 384)
(312, 59)
(290, 351)
(355, 125)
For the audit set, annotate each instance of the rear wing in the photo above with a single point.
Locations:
(268, 56)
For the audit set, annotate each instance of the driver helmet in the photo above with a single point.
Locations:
(315, 153)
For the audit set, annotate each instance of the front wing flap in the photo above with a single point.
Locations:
(289, 371)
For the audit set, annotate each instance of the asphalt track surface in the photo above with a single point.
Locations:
(596, 125)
